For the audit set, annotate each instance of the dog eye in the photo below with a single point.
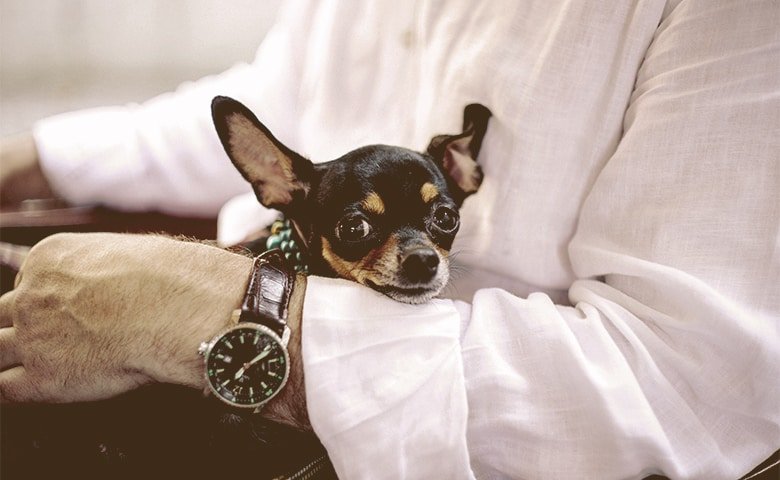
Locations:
(446, 219)
(353, 229)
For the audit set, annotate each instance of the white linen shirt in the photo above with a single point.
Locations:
(620, 264)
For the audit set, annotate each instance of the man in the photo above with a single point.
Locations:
(630, 176)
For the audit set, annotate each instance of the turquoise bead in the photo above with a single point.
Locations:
(273, 242)
(282, 238)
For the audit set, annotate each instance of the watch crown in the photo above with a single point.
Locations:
(204, 346)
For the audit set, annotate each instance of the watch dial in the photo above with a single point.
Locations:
(247, 365)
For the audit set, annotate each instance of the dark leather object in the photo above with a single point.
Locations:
(268, 293)
(769, 469)
(36, 219)
(156, 431)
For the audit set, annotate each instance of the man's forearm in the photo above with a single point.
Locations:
(289, 406)
(118, 311)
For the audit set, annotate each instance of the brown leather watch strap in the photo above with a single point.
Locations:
(268, 293)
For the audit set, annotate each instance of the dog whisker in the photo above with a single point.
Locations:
(449, 291)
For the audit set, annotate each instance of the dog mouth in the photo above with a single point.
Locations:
(414, 295)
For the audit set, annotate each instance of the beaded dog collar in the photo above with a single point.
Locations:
(283, 237)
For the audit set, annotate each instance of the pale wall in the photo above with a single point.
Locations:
(60, 55)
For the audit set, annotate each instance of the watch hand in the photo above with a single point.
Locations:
(262, 355)
(239, 372)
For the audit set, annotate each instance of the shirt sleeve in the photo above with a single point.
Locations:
(652, 372)
(164, 154)
(666, 362)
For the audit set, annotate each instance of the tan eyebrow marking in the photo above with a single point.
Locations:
(428, 192)
(374, 204)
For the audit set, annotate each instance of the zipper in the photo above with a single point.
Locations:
(311, 469)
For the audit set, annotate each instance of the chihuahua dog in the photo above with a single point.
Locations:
(380, 215)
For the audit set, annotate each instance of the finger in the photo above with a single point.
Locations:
(17, 386)
(6, 310)
(8, 354)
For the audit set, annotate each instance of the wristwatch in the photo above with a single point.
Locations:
(247, 364)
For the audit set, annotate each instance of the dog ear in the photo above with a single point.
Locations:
(457, 154)
(280, 177)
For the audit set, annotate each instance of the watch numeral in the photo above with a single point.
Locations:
(226, 358)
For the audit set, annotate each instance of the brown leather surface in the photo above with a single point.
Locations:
(769, 469)
(36, 220)
(268, 292)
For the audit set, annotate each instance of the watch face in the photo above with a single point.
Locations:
(247, 365)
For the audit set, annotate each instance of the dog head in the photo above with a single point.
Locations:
(380, 215)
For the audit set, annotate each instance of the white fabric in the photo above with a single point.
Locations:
(633, 162)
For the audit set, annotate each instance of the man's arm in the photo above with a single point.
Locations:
(668, 362)
(163, 154)
(95, 315)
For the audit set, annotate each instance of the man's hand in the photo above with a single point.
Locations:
(95, 315)
(21, 176)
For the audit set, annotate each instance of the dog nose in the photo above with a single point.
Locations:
(420, 264)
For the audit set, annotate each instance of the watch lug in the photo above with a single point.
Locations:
(203, 348)
(286, 336)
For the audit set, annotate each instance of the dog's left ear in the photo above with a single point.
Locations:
(457, 154)
(280, 177)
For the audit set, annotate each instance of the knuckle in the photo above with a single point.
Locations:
(51, 244)
(40, 254)
(51, 255)
(23, 298)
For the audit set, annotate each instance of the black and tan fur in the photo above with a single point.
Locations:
(383, 216)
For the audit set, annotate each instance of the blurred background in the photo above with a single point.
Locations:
(62, 55)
